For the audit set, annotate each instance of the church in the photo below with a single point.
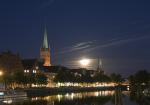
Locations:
(35, 65)
(45, 51)
(44, 65)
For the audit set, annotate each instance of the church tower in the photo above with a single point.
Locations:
(99, 67)
(45, 50)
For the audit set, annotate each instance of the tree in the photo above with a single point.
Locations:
(142, 76)
(138, 82)
(9, 64)
(60, 77)
(106, 78)
(116, 78)
(41, 79)
(18, 76)
(99, 77)
(87, 78)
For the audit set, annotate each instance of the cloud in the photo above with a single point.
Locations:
(93, 45)
(78, 46)
(118, 42)
(84, 43)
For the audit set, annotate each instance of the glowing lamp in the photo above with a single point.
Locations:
(1, 73)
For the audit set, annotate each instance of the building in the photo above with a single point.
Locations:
(42, 65)
(51, 72)
(31, 66)
(45, 50)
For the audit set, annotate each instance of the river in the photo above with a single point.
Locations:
(85, 98)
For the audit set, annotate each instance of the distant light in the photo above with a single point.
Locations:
(9, 101)
(34, 71)
(25, 71)
(1, 93)
(1, 73)
(84, 62)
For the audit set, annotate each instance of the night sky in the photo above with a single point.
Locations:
(117, 31)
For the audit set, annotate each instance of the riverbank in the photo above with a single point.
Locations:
(52, 91)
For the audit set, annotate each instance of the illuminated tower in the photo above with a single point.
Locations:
(45, 51)
(99, 67)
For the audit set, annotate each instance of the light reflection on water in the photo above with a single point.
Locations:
(72, 96)
(85, 98)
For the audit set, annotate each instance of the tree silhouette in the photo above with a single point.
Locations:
(116, 78)
(9, 64)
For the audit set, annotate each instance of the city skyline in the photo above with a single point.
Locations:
(116, 32)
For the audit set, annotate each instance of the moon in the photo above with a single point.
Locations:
(84, 62)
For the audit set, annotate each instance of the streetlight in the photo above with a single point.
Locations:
(1, 73)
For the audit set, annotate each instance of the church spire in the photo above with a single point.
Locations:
(45, 50)
(99, 68)
(45, 40)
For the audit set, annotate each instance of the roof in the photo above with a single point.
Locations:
(29, 63)
(45, 40)
(54, 69)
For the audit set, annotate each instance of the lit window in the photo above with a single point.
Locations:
(34, 71)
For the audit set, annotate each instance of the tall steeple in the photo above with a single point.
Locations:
(45, 50)
(99, 67)
(45, 40)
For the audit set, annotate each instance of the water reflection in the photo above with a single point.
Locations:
(116, 97)
(140, 98)
(72, 96)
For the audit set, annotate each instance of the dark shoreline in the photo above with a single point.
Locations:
(53, 91)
